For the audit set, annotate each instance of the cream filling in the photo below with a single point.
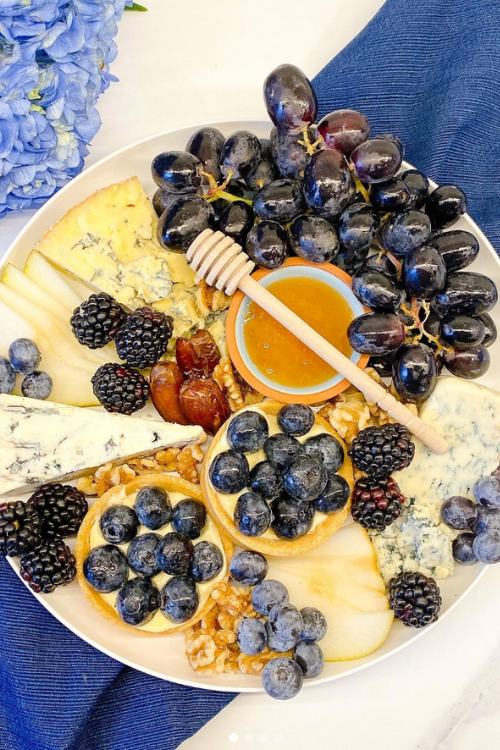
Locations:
(228, 502)
(159, 622)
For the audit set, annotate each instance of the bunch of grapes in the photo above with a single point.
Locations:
(328, 192)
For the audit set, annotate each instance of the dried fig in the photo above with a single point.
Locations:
(165, 383)
(197, 356)
(203, 403)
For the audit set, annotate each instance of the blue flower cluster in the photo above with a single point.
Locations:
(54, 64)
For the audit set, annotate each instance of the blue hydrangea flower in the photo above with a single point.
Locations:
(54, 64)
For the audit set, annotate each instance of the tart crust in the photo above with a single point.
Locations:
(279, 547)
(170, 483)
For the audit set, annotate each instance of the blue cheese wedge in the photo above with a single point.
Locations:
(468, 415)
(44, 442)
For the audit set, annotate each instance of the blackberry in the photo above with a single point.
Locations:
(20, 528)
(378, 451)
(415, 599)
(120, 388)
(49, 565)
(61, 508)
(97, 320)
(144, 337)
(376, 503)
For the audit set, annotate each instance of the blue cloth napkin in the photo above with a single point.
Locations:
(428, 71)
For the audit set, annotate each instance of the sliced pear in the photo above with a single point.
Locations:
(340, 578)
(18, 282)
(39, 270)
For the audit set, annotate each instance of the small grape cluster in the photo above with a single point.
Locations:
(280, 627)
(333, 192)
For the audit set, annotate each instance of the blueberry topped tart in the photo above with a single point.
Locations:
(149, 554)
(278, 478)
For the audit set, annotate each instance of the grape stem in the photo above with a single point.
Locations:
(417, 306)
(360, 187)
(311, 148)
(216, 191)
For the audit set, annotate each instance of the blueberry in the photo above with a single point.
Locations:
(310, 659)
(179, 599)
(284, 627)
(247, 432)
(142, 554)
(305, 478)
(486, 547)
(252, 515)
(462, 549)
(265, 480)
(248, 567)
(488, 519)
(37, 384)
(137, 601)
(189, 518)
(327, 449)
(106, 568)
(207, 561)
(459, 513)
(7, 376)
(175, 554)
(487, 491)
(282, 449)
(252, 636)
(291, 518)
(229, 472)
(119, 524)
(152, 506)
(282, 678)
(314, 625)
(24, 355)
(335, 495)
(295, 419)
(267, 594)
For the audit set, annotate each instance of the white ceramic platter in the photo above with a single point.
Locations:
(164, 658)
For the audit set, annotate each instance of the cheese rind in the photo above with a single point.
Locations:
(42, 441)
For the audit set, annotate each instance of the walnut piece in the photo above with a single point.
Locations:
(237, 396)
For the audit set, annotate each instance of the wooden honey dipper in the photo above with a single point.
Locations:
(219, 260)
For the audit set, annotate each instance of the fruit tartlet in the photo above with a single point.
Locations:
(278, 478)
(149, 554)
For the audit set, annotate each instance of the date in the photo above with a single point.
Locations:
(165, 384)
(204, 403)
(197, 356)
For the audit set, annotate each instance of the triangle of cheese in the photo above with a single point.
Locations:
(43, 442)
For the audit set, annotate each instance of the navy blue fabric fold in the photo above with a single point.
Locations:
(428, 71)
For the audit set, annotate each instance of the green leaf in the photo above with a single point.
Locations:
(137, 7)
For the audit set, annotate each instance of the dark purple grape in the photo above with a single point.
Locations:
(414, 372)
(280, 200)
(376, 333)
(445, 205)
(183, 221)
(462, 331)
(468, 363)
(177, 172)
(424, 272)
(313, 238)
(392, 195)
(289, 97)
(207, 144)
(457, 248)
(381, 262)
(236, 219)
(240, 154)
(490, 329)
(466, 292)
(405, 231)
(289, 152)
(350, 261)
(376, 160)
(418, 186)
(163, 200)
(393, 139)
(376, 290)
(383, 365)
(267, 244)
(328, 185)
(236, 188)
(433, 324)
(344, 129)
(358, 224)
(265, 171)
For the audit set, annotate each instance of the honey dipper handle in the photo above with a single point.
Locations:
(363, 382)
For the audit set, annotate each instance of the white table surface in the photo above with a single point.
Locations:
(183, 63)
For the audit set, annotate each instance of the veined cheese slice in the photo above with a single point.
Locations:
(43, 442)
(468, 415)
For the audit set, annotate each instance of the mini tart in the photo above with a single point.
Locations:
(222, 505)
(125, 494)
